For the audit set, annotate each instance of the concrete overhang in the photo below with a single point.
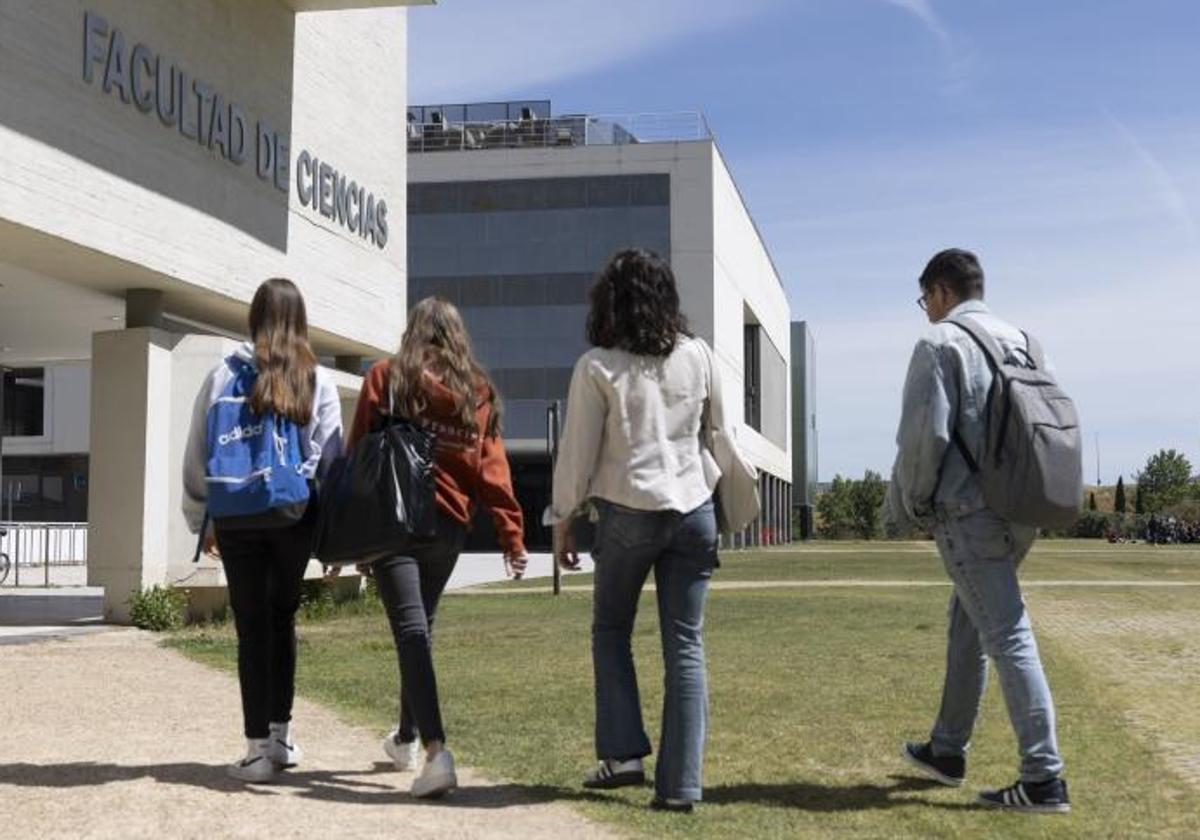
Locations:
(98, 272)
(337, 5)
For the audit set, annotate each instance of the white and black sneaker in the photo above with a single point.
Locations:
(611, 773)
(1030, 797)
(257, 767)
(947, 770)
(284, 751)
(437, 777)
(404, 754)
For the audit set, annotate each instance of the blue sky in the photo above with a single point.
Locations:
(1059, 140)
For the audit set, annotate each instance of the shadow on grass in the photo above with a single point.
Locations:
(343, 786)
(806, 796)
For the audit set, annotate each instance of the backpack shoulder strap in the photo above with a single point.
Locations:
(991, 348)
(1035, 351)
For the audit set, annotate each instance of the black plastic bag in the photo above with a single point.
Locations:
(378, 500)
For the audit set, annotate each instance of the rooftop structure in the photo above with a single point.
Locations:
(531, 124)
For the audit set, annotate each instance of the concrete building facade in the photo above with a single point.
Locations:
(160, 161)
(512, 212)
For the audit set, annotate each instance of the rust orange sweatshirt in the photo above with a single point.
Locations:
(468, 466)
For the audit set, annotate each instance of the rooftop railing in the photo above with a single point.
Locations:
(565, 132)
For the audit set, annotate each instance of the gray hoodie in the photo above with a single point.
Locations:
(321, 438)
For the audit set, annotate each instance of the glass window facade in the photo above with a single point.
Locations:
(24, 402)
(765, 384)
(45, 488)
(518, 257)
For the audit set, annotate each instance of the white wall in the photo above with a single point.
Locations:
(90, 170)
(67, 410)
(743, 275)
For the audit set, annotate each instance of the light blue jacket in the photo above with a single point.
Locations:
(947, 384)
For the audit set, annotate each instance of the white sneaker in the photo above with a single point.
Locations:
(284, 751)
(404, 755)
(256, 767)
(437, 777)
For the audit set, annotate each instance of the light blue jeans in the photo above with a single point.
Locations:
(682, 551)
(988, 618)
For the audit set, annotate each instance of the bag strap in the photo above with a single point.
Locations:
(992, 351)
(1034, 349)
(200, 539)
(973, 331)
(708, 428)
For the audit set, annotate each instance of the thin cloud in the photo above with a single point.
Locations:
(923, 11)
(472, 50)
(955, 50)
(1166, 187)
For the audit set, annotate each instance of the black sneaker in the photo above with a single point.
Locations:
(1031, 797)
(948, 770)
(611, 773)
(675, 806)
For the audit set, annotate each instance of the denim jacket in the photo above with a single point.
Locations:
(947, 387)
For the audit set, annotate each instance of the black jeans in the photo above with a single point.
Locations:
(264, 568)
(410, 586)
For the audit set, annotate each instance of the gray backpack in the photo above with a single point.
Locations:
(1031, 466)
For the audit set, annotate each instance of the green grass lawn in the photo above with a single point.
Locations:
(811, 690)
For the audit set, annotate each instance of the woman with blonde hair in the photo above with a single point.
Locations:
(435, 380)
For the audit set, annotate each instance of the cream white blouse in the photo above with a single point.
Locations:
(632, 432)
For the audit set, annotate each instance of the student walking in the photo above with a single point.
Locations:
(632, 446)
(436, 381)
(264, 421)
(949, 477)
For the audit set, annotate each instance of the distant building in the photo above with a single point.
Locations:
(513, 211)
(804, 426)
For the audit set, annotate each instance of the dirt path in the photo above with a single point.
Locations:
(109, 735)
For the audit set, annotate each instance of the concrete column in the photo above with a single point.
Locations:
(129, 457)
(780, 513)
(790, 525)
(777, 521)
(143, 308)
(768, 514)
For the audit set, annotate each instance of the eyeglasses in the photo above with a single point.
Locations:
(924, 306)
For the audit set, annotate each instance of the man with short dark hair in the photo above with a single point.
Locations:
(935, 484)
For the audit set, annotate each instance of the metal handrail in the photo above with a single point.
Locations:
(45, 544)
(558, 132)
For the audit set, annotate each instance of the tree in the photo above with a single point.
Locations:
(867, 505)
(1139, 501)
(1092, 500)
(1164, 480)
(835, 507)
(1119, 501)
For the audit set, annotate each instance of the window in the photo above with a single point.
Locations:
(24, 402)
(752, 375)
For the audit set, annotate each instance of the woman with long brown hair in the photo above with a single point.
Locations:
(633, 451)
(436, 381)
(265, 420)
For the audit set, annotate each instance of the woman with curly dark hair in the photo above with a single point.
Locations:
(632, 448)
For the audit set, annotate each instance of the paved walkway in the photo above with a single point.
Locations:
(852, 583)
(110, 735)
